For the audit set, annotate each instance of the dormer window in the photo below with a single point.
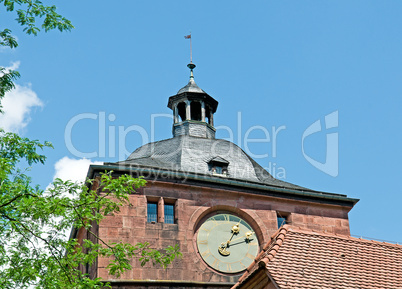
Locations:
(218, 166)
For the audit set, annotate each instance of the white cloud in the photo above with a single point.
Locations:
(14, 65)
(73, 169)
(17, 105)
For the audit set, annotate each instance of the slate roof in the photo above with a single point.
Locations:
(298, 258)
(192, 155)
(191, 87)
(219, 160)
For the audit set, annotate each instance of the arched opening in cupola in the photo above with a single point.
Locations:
(195, 108)
(181, 108)
(207, 114)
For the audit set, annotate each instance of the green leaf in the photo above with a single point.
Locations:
(6, 39)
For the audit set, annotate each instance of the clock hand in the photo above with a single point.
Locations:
(247, 236)
(240, 242)
(222, 248)
(235, 230)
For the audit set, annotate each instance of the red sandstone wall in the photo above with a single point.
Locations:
(194, 204)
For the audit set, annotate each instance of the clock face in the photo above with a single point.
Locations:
(227, 243)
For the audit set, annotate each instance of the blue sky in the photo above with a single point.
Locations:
(281, 64)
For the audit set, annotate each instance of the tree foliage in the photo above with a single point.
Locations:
(33, 249)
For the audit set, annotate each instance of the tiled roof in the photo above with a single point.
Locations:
(298, 258)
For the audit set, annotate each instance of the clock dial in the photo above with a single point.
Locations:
(227, 243)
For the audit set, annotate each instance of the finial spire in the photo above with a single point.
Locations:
(191, 66)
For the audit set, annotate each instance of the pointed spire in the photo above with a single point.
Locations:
(191, 85)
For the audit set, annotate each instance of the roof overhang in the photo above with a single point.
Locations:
(194, 96)
(188, 178)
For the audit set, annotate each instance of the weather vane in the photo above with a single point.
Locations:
(191, 47)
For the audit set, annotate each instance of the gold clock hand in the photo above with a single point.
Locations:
(247, 236)
(246, 239)
(236, 229)
(241, 242)
(222, 248)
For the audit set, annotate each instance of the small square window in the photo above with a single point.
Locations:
(152, 212)
(169, 214)
(282, 219)
(218, 167)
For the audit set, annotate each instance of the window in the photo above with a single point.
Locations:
(282, 219)
(161, 210)
(169, 213)
(218, 166)
(152, 212)
(281, 222)
(217, 169)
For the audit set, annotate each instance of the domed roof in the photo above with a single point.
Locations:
(194, 155)
(191, 87)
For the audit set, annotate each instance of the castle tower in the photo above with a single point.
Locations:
(209, 197)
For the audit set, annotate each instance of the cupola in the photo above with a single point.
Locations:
(193, 110)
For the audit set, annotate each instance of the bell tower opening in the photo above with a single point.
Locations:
(181, 107)
(208, 115)
(195, 110)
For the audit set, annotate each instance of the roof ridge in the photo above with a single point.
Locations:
(299, 230)
(272, 247)
(267, 254)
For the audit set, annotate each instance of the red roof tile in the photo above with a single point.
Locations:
(299, 258)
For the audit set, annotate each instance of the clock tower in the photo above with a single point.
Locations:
(209, 197)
